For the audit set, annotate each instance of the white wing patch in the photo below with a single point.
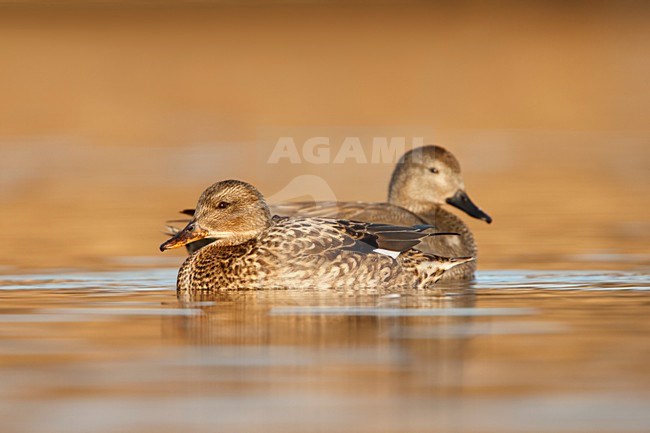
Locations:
(389, 253)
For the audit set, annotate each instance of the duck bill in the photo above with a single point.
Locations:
(190, 233)
(462, 201)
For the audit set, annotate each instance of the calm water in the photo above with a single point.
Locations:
(517, 351)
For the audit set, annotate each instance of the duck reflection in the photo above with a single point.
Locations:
(365, 333)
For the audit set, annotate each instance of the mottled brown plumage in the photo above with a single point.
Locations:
(252, 250)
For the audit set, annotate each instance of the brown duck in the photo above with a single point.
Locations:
(253, 250)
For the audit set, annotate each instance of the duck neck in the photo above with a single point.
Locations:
(417, 207)
(236, 239)
(400, 195)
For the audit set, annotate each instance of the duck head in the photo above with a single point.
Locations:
(230, 212)
(430, 176)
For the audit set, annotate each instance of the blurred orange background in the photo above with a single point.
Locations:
(115, 115)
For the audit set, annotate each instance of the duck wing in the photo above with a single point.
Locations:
(351, 210)
(329, 236)
(385, 236)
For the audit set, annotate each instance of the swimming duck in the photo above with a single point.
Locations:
(424, 180)
(253, 250)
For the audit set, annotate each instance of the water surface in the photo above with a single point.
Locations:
(517, 351)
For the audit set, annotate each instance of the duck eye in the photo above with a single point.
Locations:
(433, 170)
(222, 205)
(190, 227)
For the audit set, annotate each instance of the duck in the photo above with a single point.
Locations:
(424, 181)
(251, 249)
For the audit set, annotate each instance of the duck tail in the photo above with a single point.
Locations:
(170, 230)
(449, 262)
(444, 264)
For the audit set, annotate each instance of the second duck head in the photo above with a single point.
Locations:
(430, 176)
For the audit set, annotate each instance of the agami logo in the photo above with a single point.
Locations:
(322, 150)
